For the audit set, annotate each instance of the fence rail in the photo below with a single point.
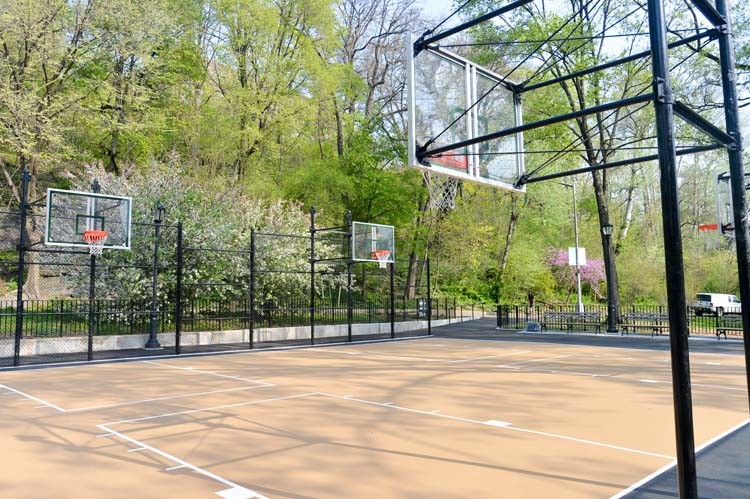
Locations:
(631, 319)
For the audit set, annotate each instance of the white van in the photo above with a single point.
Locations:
(716, 304)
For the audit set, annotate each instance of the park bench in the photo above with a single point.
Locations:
(656, 323)
(728, 322)
(572, 320)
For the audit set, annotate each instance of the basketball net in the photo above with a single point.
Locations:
(95, 239)
(382, 256)
(442, 190)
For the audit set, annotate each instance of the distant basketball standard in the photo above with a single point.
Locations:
(86, 218)
(373, 243)
(453, 104)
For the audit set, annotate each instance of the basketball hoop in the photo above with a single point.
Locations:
(382, 256)
(442, 191)
(95, 239)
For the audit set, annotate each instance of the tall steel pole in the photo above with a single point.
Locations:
(22, 240)
(737, 176)
(575, 229)
(673, 255)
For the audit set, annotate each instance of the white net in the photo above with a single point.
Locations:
(383, 256)
(443, 191)
(95, 239)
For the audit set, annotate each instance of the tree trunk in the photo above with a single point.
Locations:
(602, 206)
(32, 234)
(509, 235)
(630, 201)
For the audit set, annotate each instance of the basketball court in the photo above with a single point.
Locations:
(430, 417)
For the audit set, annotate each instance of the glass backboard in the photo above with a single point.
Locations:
(369, 239)
(71, 213)
(452, 99)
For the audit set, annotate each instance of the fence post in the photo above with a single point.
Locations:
(393, 299)
(92, 305)
(349, 304)
(178, 293)
(25, 177)
(312, 275)
(429, 299)
(251, 297)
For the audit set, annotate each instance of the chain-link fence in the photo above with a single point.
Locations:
(162, 297)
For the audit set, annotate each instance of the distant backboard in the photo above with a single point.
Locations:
(71, 213)
(442, 87)
(724, 210)
(367, 239)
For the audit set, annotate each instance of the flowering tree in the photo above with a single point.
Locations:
(592, 274)
(219, 217)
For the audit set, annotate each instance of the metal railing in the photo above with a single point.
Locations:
(631, 319)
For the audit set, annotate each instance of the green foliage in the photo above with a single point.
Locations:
(240, 114)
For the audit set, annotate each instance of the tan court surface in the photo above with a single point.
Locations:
(425, 418)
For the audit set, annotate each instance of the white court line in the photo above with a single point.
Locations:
(538, 360)
(44, 402)
(245, 351)
(423, 359)
(614, 376)
(215, 408)
(193, 370)
(506, 426)
(671, 465)
(517, 352)
(238, 491)
(367, 354)
(170, 397)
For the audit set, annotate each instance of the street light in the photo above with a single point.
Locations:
(575, 230)
(153, 342)
(609, 271)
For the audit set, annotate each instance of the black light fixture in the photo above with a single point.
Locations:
(159, 211)
(607, 230)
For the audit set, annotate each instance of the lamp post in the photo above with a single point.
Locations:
(578, 267)
(609, 271)
(575, 230)
(153, 342)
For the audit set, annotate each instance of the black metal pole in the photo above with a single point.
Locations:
(25, 177)
(422, 43)
(178, 294)
(673, 255)
(312, 275)
(153, 342)
(392, 266)
(429, 298)
(732, 118)
(349, 311)
(610, 271)
(602, 108)
(92, 307)
(252, 288)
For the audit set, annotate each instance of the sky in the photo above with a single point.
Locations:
(435, 7)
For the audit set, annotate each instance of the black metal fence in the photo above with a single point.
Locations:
(631, 319)
(61, 304)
